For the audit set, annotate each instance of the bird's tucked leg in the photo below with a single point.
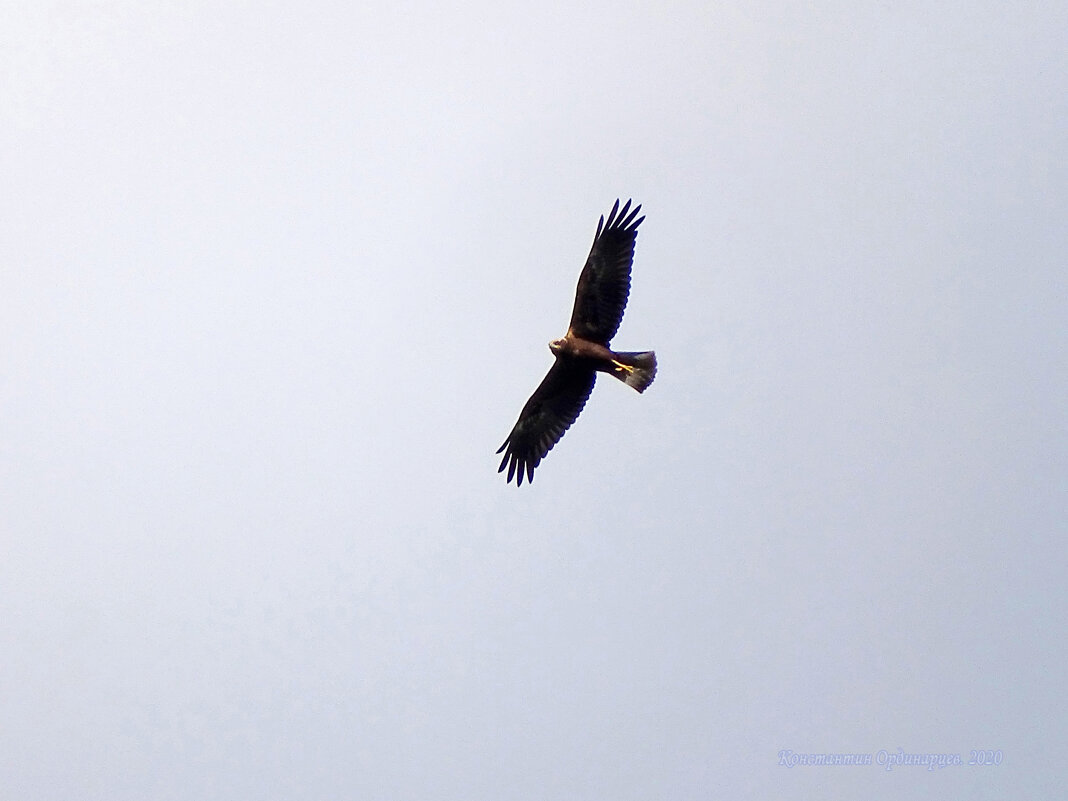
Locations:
(635, 369)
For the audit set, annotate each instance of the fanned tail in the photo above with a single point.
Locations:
(642, 370)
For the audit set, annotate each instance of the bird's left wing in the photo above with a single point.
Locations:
(551, 410)
(604, 283)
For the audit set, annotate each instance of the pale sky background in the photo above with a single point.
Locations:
(276, 280)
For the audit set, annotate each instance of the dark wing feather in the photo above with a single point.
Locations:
(551, 410)
(604, 283)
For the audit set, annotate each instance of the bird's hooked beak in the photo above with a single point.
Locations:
(556, 346)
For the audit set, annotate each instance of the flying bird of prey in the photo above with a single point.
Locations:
(601, 297)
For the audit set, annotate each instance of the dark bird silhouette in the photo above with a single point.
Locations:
(601, 297)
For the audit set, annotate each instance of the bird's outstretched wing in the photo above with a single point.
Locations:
(604, 284)
(551, 410)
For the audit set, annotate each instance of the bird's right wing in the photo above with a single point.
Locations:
(551, 410)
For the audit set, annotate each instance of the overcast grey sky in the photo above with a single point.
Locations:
(276, 280)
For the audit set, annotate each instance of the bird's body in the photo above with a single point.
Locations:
(631, 368)
(601, 297)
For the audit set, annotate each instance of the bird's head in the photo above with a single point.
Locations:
(557, 346)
